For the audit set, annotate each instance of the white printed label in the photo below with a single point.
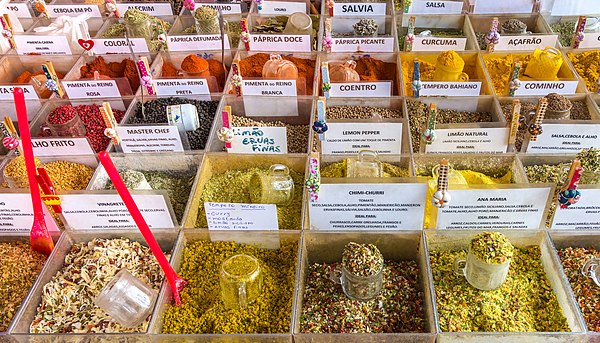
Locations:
(159, 138)
(380, 206)
(438, 88)
(119, 46)
(228, 216)
(356, 44)
(484, 209)
(545, 87)
(573, 7)
(20, 8)
(153, 9)
(16, 214)
(269, 87)
(107, 211)
(469, 141)
(584, 215)
(436, 7)
(225, 8)
(6, 92)
(42, 45)
(259, 140)
(282, 7)
(282, 106)
(196, 42)
(360, 8)
(565, 138)
(361, 89)
(439, 44)
(91, 89)
(591, 40)
(502, 7)
(274, 42)
(55, 11)
(526, 42)
(350, 138)
(43, 147)
(167, 87)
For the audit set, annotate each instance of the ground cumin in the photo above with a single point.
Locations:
(587, 65)
(252, 66)
(500, 69)
(125, 68)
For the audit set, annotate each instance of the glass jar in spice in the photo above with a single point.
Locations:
(241, 281)
(361, 271)
(559, 107)
(488, 261)
(344, 72)
(513, 27)
(64, 124)
(592, 24)
(278, 68)
(275, 187)
(366, 165)
(139, 27)
(299, 23)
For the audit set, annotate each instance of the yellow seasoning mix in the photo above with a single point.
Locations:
(450, 66)
(587, 65)
(65, 175)
(202, 309)
(500, 70)
(338, 169)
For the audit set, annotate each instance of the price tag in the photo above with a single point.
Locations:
(259, 140)
(196, 42)
(107, 211)
(168, 87)
(225, 8)
(371, 206)
(357, 44)
(55, 11)
(439, 43)
(565, 138)
(591, 40)
(436, 7)
(6, 92)
(381, 89)
(153, 9)
(228, 216)
(269, 87)
(527, 42)
(350, 138)
(545, 87)
(502, 7)
(469, 141)
(584, 215)
(497, 209)
(42, 45)
(282, 7)
(119, 46)
(149, 139)
(437, 88)
(77, 146)
(91, 89)
(20, 8)
(275, 42)
(364, 9)
(16, 214)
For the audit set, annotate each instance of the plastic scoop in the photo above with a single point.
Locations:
(39, 236)
(176, 282)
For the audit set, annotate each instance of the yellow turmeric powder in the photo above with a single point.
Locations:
(587, 65)
(500, 70)
(427, 70)
(451, 59)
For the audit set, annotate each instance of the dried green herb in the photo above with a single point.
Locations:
(362, 259)
(492, 247)
(338, 169)
(565, 31)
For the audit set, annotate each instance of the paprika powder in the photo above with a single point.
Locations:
(126, 68)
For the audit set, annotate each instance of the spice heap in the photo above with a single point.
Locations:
(398, 307)
(202, 310)
(500, 70)
(449, 59)
(67, 304)
(362, 259)
(66, 176)
(557, 102)
(338, 169)
(428, 32)
(232, 186)
(297, 135)
(19, 267)
(418, 114)
(27, 77)
(362, 112)
(586, 291)
(587, 65)
(178, 185)
(92, 120)
(492, 247)
(524, 303)
(372, 69)
(565, 30)
(579, 111)
(514, 26)
(155, 111)
(191, 64)
(126, 68)
(138, 19)
(252, 66)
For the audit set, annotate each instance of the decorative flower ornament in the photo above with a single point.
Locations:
(146, 81)
(51, 85)
(492, 37)
(327, 42)
(245, 37)
(441, 199)
(162, 37)
(225, 134)
(313, 182)
(535, 129)
(320, 127)
(110, 132)
(190, 5)
(579, 36)
(429, 136)
(7, 34)
(236, 80)
(417, 85)
(514, 84)
(568, 197)
(330, 3)
(326, 87)
(259, 4)
(10, 143)
(111, 7)
(410, 38)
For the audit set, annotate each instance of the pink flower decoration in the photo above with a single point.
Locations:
(327, 42)
(146, 81)
(190, 5)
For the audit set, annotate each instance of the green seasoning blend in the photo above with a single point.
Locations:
(19, 267)
(492, 247)
(202, 310)
(524, 303)
(362, 259)
(232, 187)
(584, 288)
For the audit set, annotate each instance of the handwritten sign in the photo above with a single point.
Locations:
(229, 216)
(91, 89)
(259, 140)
